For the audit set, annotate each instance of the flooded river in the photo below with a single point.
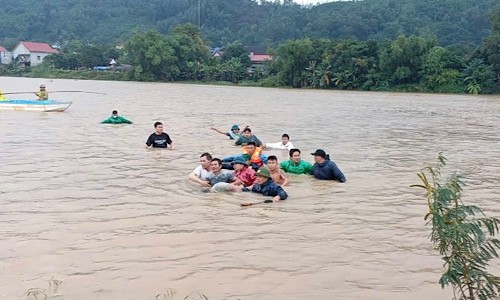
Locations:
(87, 205)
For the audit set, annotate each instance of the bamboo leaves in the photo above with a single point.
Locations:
(462, 234)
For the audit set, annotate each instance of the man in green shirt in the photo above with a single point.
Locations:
(116, 119)
(295, 164)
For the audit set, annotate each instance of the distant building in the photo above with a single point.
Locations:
(217, 52)
(31, 53)
(5, 56)
(258, 56)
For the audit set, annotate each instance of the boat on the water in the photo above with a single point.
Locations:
(34, 105)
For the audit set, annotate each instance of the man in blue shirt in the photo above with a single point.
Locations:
(265, 185)
(326, 169)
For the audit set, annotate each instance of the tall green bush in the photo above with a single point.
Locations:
(462, 234)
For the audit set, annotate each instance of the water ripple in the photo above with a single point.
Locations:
(87, 204)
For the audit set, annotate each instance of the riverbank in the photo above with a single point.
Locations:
(264, 82)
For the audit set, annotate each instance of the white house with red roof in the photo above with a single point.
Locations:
(5, 56)
(31, 53)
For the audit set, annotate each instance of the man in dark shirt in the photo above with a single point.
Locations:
(265, 185)
(159, 139)
(326, 169)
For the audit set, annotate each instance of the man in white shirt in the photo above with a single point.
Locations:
(284, 144)
(203, 173)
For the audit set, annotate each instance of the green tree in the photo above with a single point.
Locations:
(237, 50)
(152, 56)
(190, 49)
(312, 75)
(91, 56)
(232, 70)
(438, 75)
(56, 61)
(462, 234)
(351, 62)
(492, 44)
(210, 69)
(267, 23)
(478, 76)
(111, 52)
(292, 59)
(403, 61)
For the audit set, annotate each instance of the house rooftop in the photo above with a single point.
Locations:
(2, 49)
(39, 47)
(260, 57)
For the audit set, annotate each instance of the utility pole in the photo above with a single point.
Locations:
(199, 9)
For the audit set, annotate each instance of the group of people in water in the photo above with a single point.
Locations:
(250, 170)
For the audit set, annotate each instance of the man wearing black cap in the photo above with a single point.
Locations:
(326, 169)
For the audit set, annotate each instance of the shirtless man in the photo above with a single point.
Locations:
(277, 174)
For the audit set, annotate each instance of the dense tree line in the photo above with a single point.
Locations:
(407, 63)
(410, 62)
(251, 22)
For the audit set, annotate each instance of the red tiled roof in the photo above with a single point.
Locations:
(39, 47)
(2, 49)
(260, 57)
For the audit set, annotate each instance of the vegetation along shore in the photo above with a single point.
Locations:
(418, 46)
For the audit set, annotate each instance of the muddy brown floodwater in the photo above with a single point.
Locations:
(86, 204)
